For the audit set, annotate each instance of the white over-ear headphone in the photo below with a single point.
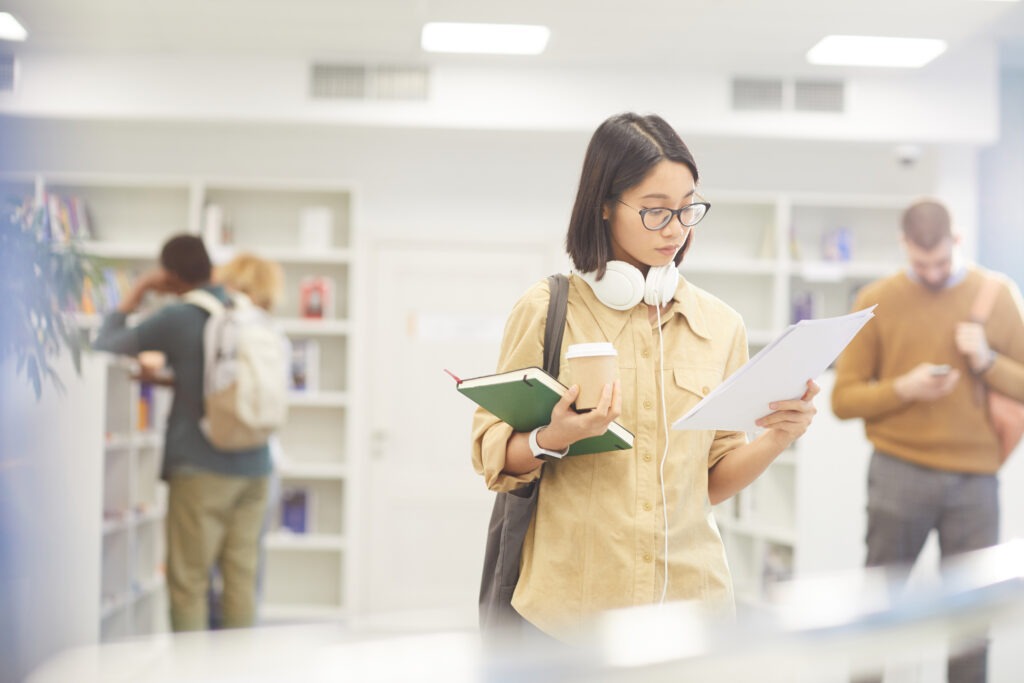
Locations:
(624, 286)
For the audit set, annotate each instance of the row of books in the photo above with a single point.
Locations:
(316, 293)
(106, 294)
(67, 218)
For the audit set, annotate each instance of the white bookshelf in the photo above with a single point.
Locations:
(758, 252)
(130, 217)
(133, 596)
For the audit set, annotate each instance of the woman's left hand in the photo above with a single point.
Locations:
(790, 419)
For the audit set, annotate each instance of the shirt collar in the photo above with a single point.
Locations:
(956, 275)
(611, 321)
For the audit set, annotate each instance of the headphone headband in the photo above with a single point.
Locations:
(624, 286)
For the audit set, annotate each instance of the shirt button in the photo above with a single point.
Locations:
(704, 390)
(647, 405)
(647, 507)
(647, 557)
(645, 354)
(647, 457)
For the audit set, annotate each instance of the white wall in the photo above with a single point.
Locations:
(952, 101)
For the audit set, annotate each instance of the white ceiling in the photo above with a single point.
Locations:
(738, 36)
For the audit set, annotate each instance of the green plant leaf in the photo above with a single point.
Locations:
(41, 287)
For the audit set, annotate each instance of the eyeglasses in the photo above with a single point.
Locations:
(656, 219)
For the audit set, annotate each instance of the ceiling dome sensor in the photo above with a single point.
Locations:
(907, 154)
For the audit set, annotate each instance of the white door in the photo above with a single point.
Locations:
(425, 511)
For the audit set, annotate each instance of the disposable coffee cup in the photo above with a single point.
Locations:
(591, 366)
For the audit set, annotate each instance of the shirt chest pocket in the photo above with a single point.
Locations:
(691, 384)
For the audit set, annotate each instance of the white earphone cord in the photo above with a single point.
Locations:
(664, 455)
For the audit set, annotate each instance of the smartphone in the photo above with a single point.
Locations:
(940, 370)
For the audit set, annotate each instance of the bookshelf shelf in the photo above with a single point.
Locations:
(311, 542)
(313, 327)
(319, 399)
(311, 470)
(134, 505)
(734, 266)
(121, 251)
(776, 257)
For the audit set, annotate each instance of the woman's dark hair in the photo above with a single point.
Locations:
(621, 152)
(185, 256)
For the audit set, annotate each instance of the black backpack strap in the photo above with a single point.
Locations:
(512, 512)
(554, 327)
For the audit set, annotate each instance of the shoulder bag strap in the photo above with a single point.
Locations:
(985, 299)
(554, 326)
(980, 311)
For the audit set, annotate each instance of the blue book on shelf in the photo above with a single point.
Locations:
(295, 510)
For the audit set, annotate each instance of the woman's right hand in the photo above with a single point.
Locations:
(568, 426)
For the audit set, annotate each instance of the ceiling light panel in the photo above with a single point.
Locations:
(11, 28)
(875, 51)
(505, 39)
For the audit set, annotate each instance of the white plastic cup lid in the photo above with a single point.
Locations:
(590, 349)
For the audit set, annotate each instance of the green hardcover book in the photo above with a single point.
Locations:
(524, 398)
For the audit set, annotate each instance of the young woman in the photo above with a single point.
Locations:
(263, 282)
(630, 527)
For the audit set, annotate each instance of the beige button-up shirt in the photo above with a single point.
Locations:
(597, 538)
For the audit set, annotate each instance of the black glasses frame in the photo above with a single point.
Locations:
(673, 213)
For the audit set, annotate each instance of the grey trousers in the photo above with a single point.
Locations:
(905, 502)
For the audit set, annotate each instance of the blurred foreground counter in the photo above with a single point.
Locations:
(823, 629)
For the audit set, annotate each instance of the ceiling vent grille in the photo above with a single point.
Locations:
(776, 94)
(359, 82)
(7, 68)
(819, 96)
(757, 94)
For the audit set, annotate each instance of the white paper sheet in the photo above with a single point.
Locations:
(777, 372)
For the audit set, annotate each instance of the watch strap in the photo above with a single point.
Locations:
(538, 451)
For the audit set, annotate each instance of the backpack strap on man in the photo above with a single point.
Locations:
(204, 300)
(985, 300)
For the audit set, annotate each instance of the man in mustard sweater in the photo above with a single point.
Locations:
(915, 374)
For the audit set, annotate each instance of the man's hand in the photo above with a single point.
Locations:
(154, 280)
(923, 384)
(971, 341)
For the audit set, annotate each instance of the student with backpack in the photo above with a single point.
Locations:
(217, 496)
(262, 281)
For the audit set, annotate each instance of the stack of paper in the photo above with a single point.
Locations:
(778, 372)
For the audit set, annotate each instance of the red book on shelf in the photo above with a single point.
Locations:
(316, 297)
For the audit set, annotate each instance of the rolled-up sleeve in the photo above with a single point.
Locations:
(522, 346)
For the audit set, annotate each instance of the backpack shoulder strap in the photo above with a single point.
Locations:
(985, 300)
(204, 300)
(554, 327)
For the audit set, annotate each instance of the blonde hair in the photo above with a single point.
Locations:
(259, 279)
